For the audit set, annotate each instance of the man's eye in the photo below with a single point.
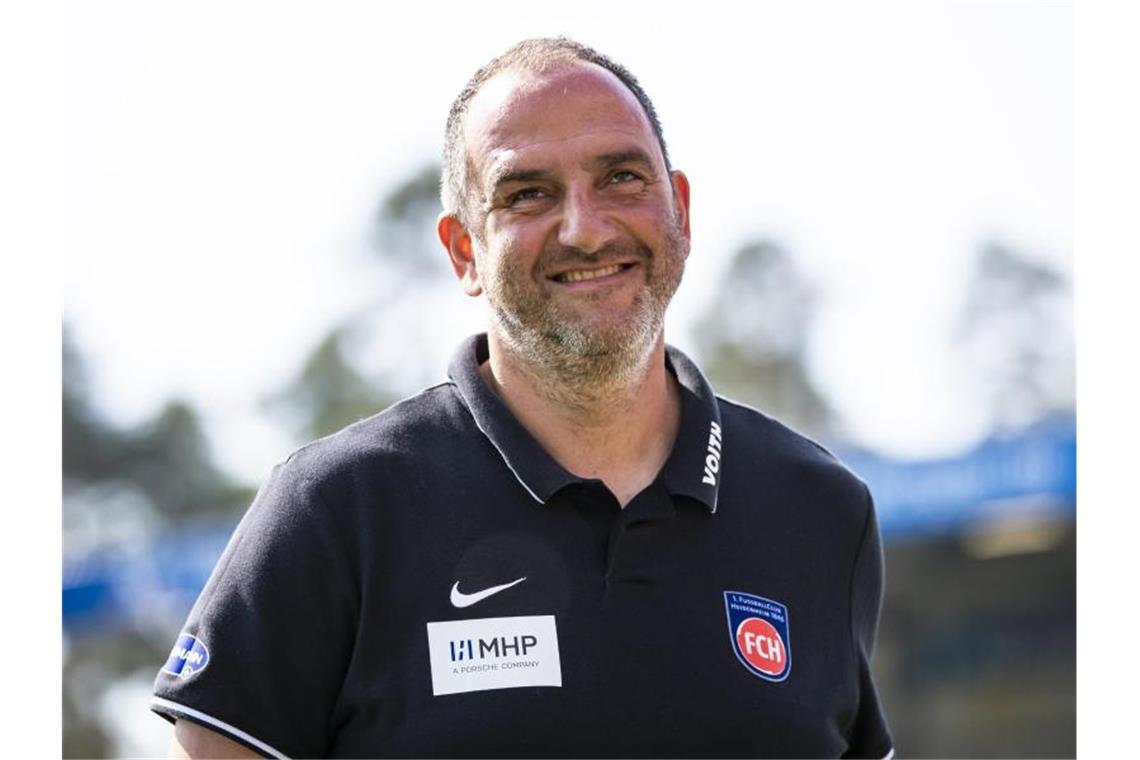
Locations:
(527, 194)
(619, 178)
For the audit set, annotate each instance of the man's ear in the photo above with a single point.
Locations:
(457, 240)
(681, 199)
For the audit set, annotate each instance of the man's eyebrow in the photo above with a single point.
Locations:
(629, 156)
(508, 174)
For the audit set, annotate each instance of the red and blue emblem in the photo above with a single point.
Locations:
(758, 629)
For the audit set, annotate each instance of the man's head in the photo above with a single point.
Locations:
(568, 216)
(534, 56)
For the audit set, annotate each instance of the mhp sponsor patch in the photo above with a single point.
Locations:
(758, 629)
(188, 656)
(493, 653)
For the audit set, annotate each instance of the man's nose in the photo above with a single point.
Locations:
(584, 225)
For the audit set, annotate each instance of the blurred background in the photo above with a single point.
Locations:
(882, 258)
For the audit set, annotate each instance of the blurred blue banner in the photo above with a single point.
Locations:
(1030, 475)
(138, 585)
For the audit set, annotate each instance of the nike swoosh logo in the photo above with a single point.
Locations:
(459, 599)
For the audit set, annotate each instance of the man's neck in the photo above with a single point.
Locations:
(621, 434)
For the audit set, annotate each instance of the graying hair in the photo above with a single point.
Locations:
(533, 55)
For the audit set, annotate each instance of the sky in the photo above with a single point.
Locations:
(224, 161)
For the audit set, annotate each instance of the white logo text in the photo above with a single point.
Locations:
(712, 461)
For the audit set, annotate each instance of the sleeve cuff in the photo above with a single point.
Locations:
(172, 710)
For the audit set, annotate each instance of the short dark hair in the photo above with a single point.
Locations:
(534, 55)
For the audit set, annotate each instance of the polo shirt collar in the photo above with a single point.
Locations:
(688, 471)
(684, 472)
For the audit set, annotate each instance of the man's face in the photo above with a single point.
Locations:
(579, 233)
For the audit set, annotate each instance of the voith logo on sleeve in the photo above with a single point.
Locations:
(758, 629)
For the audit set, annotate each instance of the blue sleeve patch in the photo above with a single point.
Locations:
(188, 657)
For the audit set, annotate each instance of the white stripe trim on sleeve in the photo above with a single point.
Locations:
(890, 754)
(190, 712)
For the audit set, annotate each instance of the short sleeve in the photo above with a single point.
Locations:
(868, 735)
(263, 654)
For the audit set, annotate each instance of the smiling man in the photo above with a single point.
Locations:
(572, 547)
(570, 221)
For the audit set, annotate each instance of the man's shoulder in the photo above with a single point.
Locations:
(757, 436)
(408, 427)
(755, 427)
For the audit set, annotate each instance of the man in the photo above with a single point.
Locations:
(572, 547)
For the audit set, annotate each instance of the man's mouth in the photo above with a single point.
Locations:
(580, 275)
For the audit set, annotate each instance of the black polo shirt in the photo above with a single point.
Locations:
(430, 582)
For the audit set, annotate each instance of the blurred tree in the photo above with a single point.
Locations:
(91, 448)
(173, 463)
(328, 393)
(1015, 330)
(404, 230)
(348, 374)
(121, 485)
(754, 338)
(166, 458)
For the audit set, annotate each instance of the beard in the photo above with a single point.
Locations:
(587, 356)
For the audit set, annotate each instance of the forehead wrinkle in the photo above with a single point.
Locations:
(633, 154)
(507, 164)
(607, 129)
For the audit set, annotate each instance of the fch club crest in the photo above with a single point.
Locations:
(758, 629)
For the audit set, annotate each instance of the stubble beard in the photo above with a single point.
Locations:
(576, 363)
